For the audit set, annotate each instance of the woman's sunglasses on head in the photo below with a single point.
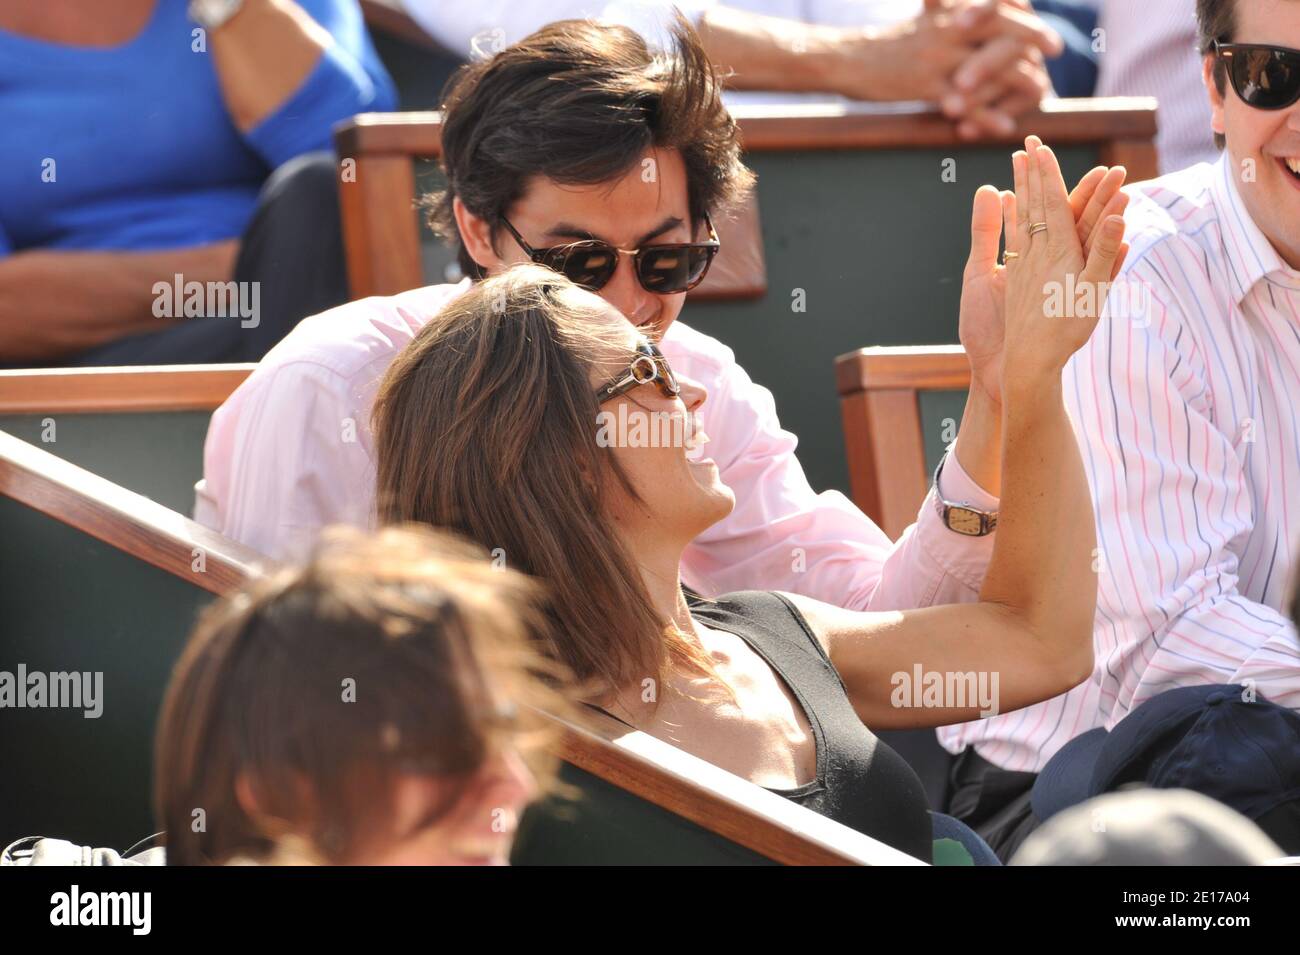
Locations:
(648, 366)
(1265, 77)
(661, 269)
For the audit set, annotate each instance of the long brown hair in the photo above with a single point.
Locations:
(486, 424)
(432, 639)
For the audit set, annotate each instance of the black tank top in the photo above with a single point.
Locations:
(860, 781)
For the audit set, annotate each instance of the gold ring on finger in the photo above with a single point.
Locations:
(1037, 227)
(1008, 256)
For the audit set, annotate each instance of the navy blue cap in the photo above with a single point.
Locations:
(1066, 780)
(1213, 740)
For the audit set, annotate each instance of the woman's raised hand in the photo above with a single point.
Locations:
(982, 324)
(1054, 295)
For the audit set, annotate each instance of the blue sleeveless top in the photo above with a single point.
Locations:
(131, 146)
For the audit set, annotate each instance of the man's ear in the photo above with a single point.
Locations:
(476, 233)
(1212, 89)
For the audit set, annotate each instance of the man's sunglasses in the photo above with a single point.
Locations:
(1265, 77)
(661, 269)
(648, 365)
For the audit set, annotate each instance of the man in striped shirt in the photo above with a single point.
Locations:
(1186, 403)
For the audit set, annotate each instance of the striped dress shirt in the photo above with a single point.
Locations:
(1186, 403)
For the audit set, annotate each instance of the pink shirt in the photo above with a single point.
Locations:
(290, 452)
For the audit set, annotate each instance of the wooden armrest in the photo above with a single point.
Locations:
(879, 389)
(908, 367)
(143, 388)
(857, 126)
(413, 133)
(817, 127)
(121, 518)
(715, 799)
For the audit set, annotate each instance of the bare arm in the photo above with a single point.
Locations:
(1033, 625)
(262, 55)
(913, 60)
(773, 53)
(56, 303)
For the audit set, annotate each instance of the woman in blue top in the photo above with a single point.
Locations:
(145, 140)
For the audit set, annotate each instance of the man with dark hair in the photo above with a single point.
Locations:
(1185, 405)
(575, 148)
(539, 110)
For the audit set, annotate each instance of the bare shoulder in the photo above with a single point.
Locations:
(832, 624)
(823, 619)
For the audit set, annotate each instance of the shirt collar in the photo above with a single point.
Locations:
(1251, 257)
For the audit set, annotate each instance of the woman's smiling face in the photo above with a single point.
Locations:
(660, 445)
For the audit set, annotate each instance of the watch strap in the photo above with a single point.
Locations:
(962, 517)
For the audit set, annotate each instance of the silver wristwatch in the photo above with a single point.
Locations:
(211, 14)
(962, 518)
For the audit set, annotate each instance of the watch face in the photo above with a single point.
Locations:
(964, 521)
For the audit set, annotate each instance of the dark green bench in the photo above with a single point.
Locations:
(97, 578)
(141, 427)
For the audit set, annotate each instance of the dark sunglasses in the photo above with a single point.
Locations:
(661, 269)
(1265, 77)
(648, 366)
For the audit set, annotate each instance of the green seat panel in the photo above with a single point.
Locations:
(941, 413)
(157, 454)
(605, 825)
(71, 603)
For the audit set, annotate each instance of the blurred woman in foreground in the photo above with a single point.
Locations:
(370, 708)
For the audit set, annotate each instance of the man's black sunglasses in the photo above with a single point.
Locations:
(647, 366)
(1265, 77)
(662, 269)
